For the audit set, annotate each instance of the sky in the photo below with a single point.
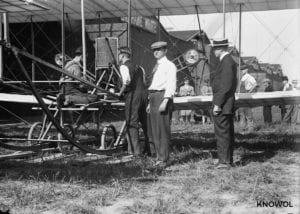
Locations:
(272, 36)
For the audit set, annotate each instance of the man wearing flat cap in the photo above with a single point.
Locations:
(224, 83)
(136, 99)
(161, 93)
(74, 92)
(267, 109)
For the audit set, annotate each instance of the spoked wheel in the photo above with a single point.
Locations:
(37, 133)
(108, 137)
(62, 146)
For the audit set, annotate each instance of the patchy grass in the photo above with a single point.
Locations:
(267, 169)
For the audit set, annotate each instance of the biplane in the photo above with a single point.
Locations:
(40, 134)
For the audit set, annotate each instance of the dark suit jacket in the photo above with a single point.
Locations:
(224, 83)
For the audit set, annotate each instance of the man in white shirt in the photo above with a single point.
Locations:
(291, 113)
(161, 92)
(248, 85)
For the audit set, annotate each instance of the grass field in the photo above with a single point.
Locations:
(267, 170)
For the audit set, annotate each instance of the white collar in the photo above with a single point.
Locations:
(223, 54)
(161, 60)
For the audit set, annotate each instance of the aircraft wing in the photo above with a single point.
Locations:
(20, 98)
(50, 10)
(242, 100)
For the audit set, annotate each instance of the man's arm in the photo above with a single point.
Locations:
(125, 78)
(227, 79)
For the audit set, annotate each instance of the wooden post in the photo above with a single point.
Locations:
(32, 49)
(240, 45)
(1, 49)
(63, 33)
(99, 23)
(83, 38)
(224, 18)
(158, 24)
(129, 25)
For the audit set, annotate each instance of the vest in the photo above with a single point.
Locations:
(136, 76)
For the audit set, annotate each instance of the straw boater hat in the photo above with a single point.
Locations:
(219, 43)
(159, 44)
(78, 50)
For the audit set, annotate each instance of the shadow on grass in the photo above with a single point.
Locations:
(186, 148)
(91, 172)
(253, 142)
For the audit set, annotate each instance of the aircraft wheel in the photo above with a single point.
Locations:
(71, 132)
(36, 131)
(108, 137)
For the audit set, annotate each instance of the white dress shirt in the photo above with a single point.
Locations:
(165, 77)
(223, 54)
(125, 74)
(249, 81)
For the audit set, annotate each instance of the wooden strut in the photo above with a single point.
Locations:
(72, 141)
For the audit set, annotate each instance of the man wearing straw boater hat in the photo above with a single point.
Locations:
(161, 93)
(224, 83)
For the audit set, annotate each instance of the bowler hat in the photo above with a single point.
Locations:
(78, 50)
(125, 50)
(159, 44)
(216, 43)
(285, 78)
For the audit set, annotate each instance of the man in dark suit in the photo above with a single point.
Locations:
(224, 83)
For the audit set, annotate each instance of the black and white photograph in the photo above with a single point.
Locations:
(149, 106)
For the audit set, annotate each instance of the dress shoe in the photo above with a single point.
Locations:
(223, 166)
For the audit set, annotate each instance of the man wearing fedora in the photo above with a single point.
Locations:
(161, 93)
(224, 83)
(136, 98)
(73, 92)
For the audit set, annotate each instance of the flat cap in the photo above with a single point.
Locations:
(285, 78)
(219, 43)
(267, 80)
(78, 50)
(159, 44)
(244, 67)
(125, 50)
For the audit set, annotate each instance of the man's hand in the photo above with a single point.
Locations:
(163, 105)
(118, 94)
(148, 109)
(217, 110)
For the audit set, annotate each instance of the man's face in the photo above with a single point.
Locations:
(285, 82)
(120, 57)
(217, 52)
(159, 52)
(186, 82)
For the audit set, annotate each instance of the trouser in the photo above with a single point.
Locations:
(135, 112)
(292, 114)
(160, 125)
(246, 119)
(224, 132)
(82, 98)
(267, 112)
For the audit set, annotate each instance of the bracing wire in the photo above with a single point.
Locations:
(276, 37)
(16, 116)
